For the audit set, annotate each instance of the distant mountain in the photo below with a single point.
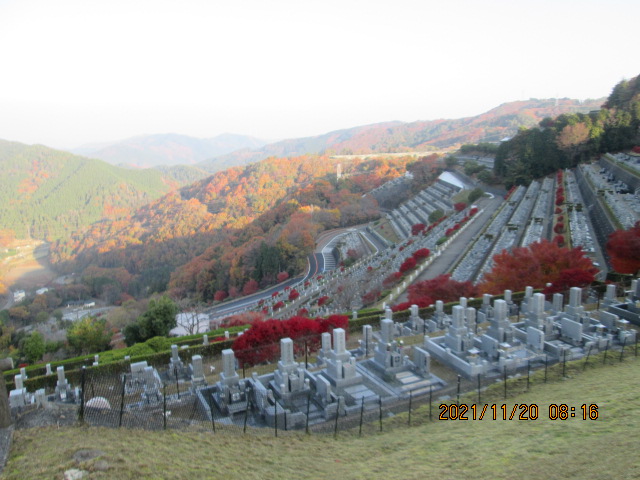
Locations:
(492, 126)
(47, 194)
(167, 149)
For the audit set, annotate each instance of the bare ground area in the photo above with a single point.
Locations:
(30, 271)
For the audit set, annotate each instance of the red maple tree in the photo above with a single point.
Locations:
(623, 248)
(535, 266)
(440, 288)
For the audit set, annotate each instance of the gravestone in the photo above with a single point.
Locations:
(289, 377)
(535, 339)
(18, 397)
(63, 390)
(228, 375)
(151, 384)
(571, 331)
(439, 316)
(470, 315)
(325, 348)
(177, 369)
(610, 294)
(422, 361)
(416, 324)
(388, 354)
(500, 327)
(230, 391)
(558, 302)
(367, 344)
(341, 365)
(197, 372)
(458, 338)
(575, 308)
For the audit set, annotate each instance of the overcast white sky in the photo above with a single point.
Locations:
(79, 71)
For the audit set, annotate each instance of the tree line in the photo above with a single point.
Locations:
(567, 140)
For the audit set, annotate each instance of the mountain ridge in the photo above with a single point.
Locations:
(395, 136)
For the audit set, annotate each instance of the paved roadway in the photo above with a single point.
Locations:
(458, 246)
(315, 266)
(440, 265)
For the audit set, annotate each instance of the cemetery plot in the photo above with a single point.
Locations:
(342, 384)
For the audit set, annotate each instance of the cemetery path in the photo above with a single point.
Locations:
(448, 258)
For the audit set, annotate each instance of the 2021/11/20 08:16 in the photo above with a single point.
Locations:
(517, 412)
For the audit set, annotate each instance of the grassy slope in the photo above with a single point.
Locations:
(601, 449)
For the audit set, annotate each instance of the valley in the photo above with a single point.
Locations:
(339, 230)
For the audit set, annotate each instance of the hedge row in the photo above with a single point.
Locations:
(73, 367)
(158, 360)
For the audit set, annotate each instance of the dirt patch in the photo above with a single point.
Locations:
(53, 414)
(29, 275)
(28, 270)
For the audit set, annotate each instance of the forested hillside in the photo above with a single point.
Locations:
(232, 232)
(48, 194)
(492, 126)
(566, 140)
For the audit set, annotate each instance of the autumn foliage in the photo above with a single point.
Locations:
(418, 228)
(248, 224)
(623, 248)
(443, 287)
(261, 343)
(535, 266)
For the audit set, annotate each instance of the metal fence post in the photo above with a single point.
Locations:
(586, 360)
(164, 406)
(306, 423)
(82, 389)
(275, 416)
(213, 418)
(124, 383)
(361, 416)
(246, 415)
(505, 381)
(624, 342)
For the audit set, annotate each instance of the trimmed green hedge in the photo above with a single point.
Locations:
(138, 352)
(73, 367)
(159, 359)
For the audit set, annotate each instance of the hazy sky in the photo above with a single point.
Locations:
(78, 71)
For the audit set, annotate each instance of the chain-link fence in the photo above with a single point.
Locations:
(247, 399)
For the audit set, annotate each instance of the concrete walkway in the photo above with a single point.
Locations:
(448, 258)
